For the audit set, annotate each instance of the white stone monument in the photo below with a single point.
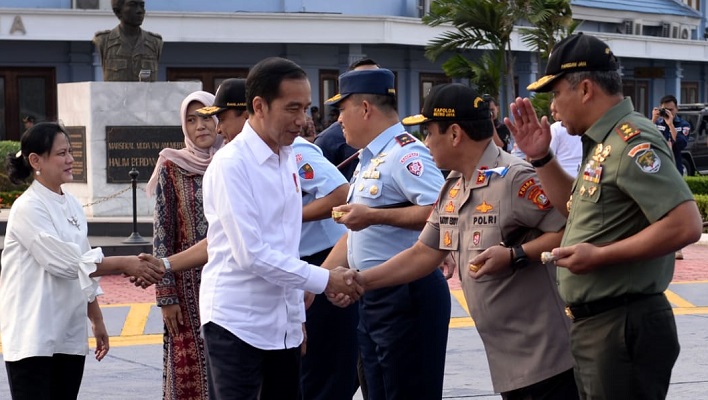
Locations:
(97, 105)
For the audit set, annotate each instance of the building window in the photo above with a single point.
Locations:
(26, 92)
(638, 91)
(210, 78)
(695, 4)
(689, 92)
(329, 86)
(423, 8)
(427, 81)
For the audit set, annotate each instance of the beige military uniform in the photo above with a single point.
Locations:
(518, 314)
(122, 60)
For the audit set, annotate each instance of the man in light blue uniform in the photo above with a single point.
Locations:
(402, 329)
(331, 331)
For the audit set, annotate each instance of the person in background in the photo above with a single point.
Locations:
(316, 118)
(675, 131)
(48, 283)
(179, 223)
(567, 148)
(501, 136)
(616, 258)
(28, 121)
(229, 107)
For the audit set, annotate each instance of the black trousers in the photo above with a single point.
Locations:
(237, 370)
(329, 368)
(46, 378)
(558, 387)
(403, 339)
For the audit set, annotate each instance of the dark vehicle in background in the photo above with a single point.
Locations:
(695, 155)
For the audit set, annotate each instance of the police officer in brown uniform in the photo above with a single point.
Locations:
(127, 49)
(494, 216)
(628, 212)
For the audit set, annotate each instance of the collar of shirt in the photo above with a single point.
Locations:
(260, 149)
(379, 143)
(603, 126)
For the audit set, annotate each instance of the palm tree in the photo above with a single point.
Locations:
(552, 21)
(485, 24)
(488, 25)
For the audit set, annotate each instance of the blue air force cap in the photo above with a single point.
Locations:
(374, 81)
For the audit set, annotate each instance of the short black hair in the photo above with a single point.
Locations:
(265, 77)
(669, 98)
(476, 130)
(386, 103)
(609, 81)
(361, 62)
(38, 139)
(29, 118)
(489, 99)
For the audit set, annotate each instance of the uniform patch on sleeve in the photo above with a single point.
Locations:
(686, 130)
(627, 131)
(306, 172)
(539, 198)
(415, 168)
(525, 186)
(636, 149)
(409, 156)
(404, 139)
(298, 158)
(647, 160)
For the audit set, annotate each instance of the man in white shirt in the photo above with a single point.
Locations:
(251, 297)
(567, 148)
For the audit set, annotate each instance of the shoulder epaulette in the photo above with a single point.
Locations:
(627, 131)
(106, 32)
(157, 35)
(404, 139)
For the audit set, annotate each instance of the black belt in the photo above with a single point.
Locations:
(586, 310)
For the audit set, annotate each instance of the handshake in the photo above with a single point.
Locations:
(345, 286)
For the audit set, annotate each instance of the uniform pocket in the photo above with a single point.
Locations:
(116, 65)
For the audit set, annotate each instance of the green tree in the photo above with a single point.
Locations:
(552, 20)
(488, 25)
(479, 24)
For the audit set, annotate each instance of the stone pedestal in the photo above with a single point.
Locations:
(96, 105)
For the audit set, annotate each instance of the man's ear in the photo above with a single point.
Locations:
(259, 106)
(456, 134)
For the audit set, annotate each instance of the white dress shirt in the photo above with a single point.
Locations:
(44, 284)
(253, 283)
(567, 148)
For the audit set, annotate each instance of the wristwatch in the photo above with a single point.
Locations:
(543, 160)
(519, 258)
(166, 263)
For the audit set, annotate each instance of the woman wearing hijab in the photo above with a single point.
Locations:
(179, 223)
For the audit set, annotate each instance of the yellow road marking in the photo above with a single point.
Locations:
(136, 319)
(677, 300)
(122, 341)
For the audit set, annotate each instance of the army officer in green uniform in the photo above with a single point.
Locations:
(628, 212)
(127, 49)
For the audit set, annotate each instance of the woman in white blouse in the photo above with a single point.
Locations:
(47, 284)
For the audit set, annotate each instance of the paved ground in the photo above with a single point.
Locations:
(133, 368)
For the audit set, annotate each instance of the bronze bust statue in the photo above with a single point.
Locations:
(127, 49)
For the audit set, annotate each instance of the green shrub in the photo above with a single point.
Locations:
(8, 147)
(702, 201)
(697, 184)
